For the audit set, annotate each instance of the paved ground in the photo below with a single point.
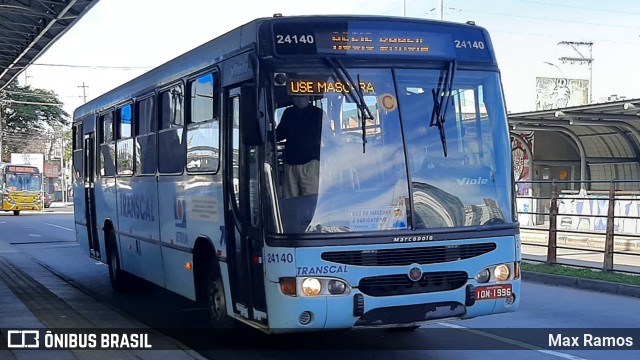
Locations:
(32, 297)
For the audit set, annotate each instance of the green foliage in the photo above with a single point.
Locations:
(582, 273)
(27, 114)
(68, 150)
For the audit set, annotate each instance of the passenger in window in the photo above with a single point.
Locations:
(301, 127)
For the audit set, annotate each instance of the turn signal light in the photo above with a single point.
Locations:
(288, 285)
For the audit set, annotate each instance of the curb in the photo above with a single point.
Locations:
(586, 284)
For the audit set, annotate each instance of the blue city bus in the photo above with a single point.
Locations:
(179, 177)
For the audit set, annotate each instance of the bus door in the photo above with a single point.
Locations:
(242, 217)
(90, 195)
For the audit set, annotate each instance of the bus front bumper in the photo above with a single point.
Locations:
(358, 310)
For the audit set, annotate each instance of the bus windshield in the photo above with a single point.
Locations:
(391, 172)
(23, 182)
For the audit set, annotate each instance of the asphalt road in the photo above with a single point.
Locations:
(48, 239)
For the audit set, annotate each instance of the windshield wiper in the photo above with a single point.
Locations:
(364, 113)
(441, 96)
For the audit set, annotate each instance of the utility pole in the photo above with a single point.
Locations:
(2, 96)
(84, 92)
(63, 172)
(581, 60)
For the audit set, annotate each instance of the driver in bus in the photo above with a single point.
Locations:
(301, 127)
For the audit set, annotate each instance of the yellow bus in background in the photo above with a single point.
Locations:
(21, 187)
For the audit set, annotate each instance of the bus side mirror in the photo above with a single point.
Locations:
(252, 116)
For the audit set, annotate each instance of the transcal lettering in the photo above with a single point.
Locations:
(321, 270)
(136, 206)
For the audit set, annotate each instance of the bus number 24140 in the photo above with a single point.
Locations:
(295, 39)
(466, 44)
(279, 258)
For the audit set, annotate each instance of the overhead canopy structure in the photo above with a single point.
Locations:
(29, 27)
(601, 141)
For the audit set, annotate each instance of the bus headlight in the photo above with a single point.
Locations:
(336, 287)
(483, 276)
(319, 286)
(311, 287)
(501, 272)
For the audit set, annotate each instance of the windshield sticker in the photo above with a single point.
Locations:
(388, 102)
(319, 87)
(379, 218)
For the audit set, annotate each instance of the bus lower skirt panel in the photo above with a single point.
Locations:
(411, 313)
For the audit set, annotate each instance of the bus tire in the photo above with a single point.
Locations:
(16, 212)
(120, 280)
(216, 301)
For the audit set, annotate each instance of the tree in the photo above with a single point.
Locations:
(27, 117)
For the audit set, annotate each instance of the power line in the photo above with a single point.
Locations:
(28, 93)
(555, 20)
(580, 7)
(30, 102)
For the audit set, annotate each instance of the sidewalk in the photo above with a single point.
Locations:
(60, 204)
(31, 297)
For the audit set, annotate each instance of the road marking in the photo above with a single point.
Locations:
(58, 226)
(513, 342)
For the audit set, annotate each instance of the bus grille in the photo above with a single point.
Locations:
(389, 285)
(408, 256)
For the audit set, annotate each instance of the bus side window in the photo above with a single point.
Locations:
(107, 145)
(124, 143)
(145, 128)
(77, 149)
(203, 129)
(171, 153)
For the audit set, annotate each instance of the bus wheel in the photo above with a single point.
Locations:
(216, 301)
(16, 212)
(118, 278)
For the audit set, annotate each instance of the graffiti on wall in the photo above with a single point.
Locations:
(555, 93)
(521, 161)
(589, 214)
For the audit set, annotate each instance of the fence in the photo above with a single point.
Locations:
(581, 227)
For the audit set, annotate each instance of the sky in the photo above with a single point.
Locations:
(118, 40)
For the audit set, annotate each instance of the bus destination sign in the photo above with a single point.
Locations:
(367, 42)
(22, 169)
(367, 38)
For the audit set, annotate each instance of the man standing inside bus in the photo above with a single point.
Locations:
(301, 127)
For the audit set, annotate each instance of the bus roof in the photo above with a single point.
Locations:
(246, 36)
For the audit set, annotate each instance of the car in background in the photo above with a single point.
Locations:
(46, 199)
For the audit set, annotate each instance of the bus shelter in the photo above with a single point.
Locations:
(28, 28)
(582, 150)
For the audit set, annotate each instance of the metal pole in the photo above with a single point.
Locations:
(1, 119)
(609, 242)
(62, 172)
(553, 229)
(590, 74)
(62, 178)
